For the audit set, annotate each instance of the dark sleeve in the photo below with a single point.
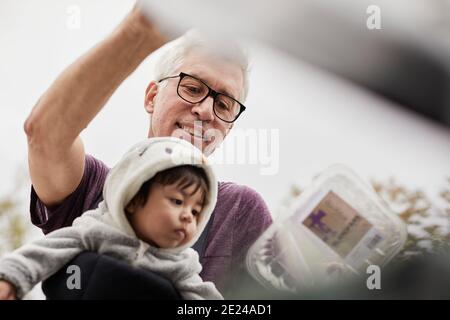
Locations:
(85, 197)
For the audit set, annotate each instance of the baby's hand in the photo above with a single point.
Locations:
(7, 291)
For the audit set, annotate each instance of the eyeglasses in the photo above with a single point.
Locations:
(194, 90)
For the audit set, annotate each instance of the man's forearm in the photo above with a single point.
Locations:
(80, 92)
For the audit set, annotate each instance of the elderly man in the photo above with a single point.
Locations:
(193, 88)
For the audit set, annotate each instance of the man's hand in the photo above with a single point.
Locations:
(7, 291)
(137, 23)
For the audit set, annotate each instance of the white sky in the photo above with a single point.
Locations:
(321, 119)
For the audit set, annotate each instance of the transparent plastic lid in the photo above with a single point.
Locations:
(338, 225)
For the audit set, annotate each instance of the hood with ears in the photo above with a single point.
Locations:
(140, 164)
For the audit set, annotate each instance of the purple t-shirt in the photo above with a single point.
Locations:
(240, 216)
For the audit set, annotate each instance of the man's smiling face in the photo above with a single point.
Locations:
(172, 116)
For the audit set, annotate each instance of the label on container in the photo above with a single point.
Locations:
(359, 256)
(337, 224)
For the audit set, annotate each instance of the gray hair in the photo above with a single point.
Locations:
(169, 58)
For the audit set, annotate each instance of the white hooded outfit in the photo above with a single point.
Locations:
(106, 230)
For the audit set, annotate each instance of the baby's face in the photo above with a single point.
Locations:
(169, 217)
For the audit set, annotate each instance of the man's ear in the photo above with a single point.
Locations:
(150, 93)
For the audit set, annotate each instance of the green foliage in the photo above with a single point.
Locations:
(427, 219)
(13, 219)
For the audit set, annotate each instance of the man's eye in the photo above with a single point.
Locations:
(222, 105)
(193, 89)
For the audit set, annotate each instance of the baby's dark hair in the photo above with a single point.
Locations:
(182, 176)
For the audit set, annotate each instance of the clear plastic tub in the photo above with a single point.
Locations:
(338, 226)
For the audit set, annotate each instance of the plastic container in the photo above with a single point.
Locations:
(338, 226)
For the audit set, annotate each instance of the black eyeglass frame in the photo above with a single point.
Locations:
(211, 93)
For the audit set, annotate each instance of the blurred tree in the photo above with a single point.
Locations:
(427, 220)
(13, 223)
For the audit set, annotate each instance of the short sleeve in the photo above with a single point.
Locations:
(85, 197)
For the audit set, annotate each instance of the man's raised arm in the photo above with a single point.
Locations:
(55, 151)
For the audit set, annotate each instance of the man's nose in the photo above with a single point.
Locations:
(204, 110)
